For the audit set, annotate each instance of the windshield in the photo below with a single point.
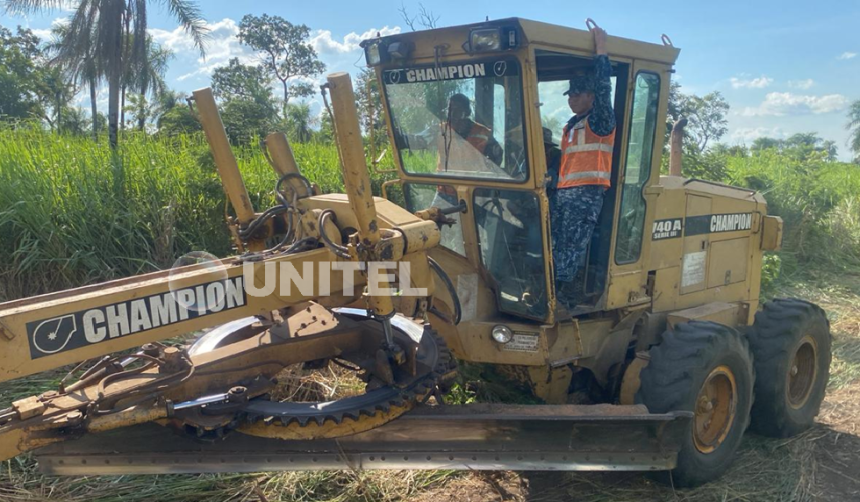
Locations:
(459, 120)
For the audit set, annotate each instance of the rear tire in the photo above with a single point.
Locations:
(706, 368)
(790, 341)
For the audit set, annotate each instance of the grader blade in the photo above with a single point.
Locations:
(473, 437)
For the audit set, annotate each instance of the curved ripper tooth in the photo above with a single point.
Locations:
(352, 414)
(303, 421)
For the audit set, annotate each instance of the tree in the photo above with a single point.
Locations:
(102, 29)
(854, 128)
(83, 69)
(801, 146)
(247, 104)
(178, 120)
(706, 116)
(300, 122)
(240, 81)
(146, 76)
(22, 75)
(284, 52)
(370, 108)
(424, 19)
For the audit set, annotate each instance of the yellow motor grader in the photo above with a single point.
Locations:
(662, 366)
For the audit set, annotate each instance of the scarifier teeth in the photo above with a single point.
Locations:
(418, 391)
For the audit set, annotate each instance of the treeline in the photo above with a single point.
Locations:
(41, 80)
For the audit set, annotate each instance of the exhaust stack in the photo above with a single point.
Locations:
(676, 145)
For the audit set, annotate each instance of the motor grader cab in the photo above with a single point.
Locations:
(655, 371)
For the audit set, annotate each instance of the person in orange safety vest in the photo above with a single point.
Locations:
(585, 172)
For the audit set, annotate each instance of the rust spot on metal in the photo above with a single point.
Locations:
(387, 253)
(373, 226)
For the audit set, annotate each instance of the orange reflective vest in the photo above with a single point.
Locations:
(586, 158)
(460, 155)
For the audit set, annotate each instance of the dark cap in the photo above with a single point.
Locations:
(580, 84)
(460, 99)
(547, 137)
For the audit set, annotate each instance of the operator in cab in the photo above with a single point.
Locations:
(463, 145)
(584, 172)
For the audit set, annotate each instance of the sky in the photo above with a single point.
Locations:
(784, 66)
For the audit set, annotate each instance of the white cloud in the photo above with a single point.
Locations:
(47, 34)
(749, 134)
(802, 84)
(323, 42)
(43, 34)
(754, 83)
(221, 46)
(847, 55)
(785, 103)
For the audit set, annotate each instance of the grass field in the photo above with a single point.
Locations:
(72, 213)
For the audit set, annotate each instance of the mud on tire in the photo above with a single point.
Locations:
(790, 341)
(691, 355)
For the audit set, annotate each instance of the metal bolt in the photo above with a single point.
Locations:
(794, 370)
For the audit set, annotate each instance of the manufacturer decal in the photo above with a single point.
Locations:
(500, 67)
(667, 229)
(449, 72)
(716, 223)
(98, 324)
(523, 341)
(693, 268)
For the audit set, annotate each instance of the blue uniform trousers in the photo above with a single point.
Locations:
(573, 214)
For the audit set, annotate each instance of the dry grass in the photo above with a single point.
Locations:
(821, 464)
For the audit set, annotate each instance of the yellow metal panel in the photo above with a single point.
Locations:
(771, 235)
(721, 312)
(728, 262)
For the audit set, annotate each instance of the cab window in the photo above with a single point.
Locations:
(640, 146)
(420, 196)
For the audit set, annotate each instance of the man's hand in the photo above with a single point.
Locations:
(599, 40)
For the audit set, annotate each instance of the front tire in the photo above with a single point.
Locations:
(706, 368)
(790, 340)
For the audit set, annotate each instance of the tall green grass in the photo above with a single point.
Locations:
(818, 200)
(72, 212)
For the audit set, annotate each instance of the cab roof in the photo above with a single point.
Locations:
(535, 32)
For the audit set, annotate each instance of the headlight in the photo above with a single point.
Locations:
(492, 39)
(502, 334)
(485, 40)
(400, 50)
(372, 54)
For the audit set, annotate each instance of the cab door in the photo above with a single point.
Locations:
(642, 142)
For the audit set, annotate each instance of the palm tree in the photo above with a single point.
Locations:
(299, 121)
(146, 76)
(80, 70)
(854, 127)
(104, 27)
